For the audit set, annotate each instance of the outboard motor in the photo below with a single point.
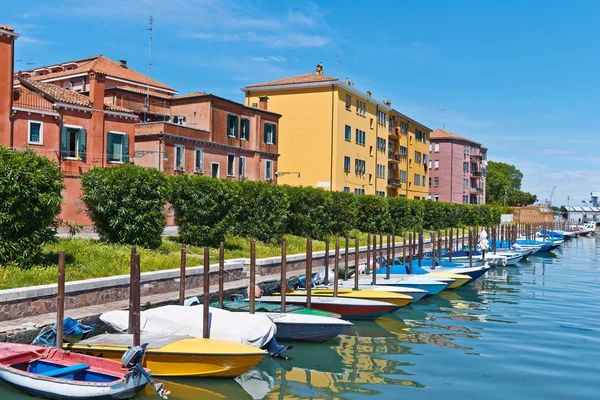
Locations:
(132, 360)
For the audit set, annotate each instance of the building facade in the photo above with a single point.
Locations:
(457, 169)
(339, 138)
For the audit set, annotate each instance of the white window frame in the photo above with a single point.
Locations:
(199, 150)
(436, 147)
(175, 166)
(233, 166)
(271, 135)
(29, 141)
(76, 143)
(121, 134)
(267, 162)
(243, 174)
(241, 126)
(218, 169)
(436, 164)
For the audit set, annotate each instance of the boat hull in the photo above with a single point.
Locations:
(397, 299)
(432, 288)
(306, 328)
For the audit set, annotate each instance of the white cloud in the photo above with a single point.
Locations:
(268, 40)
(269, 58)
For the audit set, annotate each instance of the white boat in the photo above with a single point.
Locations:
(511, 258)
(416, 294)
(253, 329)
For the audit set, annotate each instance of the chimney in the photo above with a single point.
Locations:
(263, 103)
(347, 81)
(319, 69)
(123, 63)
(7, 57)
(368, 93)
(97, 82)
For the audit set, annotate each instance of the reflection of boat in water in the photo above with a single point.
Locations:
(205, 389)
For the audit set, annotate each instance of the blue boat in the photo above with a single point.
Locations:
(426, 266)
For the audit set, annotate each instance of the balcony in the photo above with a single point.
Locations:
(476, 173)
(394, 132)
(476, 156)
(393, 156)
(31, 101)
(394, 183)
(476, 190)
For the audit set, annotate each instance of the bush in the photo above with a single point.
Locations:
(372, 214)
(201, 207)
(126, 204)
(308, 212)
(342, 213)
(30, 193)
(258, 210)
(406, 215)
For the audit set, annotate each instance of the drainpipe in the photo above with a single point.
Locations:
(160, 155)
(212, 119)
(12, 73)
(331, 156)
(60, 126)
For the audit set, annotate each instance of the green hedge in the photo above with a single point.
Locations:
(30, 189)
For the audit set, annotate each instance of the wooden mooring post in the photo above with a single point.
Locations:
(136, 301)
(368, 267)
(356, 260)
(131, 288)
(309, 271)
(375, 259)
(410, 252)
(387, 259)
(283, 287)
(60, 300)
(182, 275)
(206, 295)
(433, 249)
(336, 263)
(326, 260)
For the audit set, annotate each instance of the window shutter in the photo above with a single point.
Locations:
(235, 127)
(125, 157)
(81, 143)
(274, 130)
(266, 132)
(110, 144)
(64, 138)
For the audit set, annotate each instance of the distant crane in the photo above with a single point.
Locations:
(551, 196)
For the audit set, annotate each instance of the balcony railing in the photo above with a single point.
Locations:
(393, 156)
(32, 101)
(477, 156)
(394, 132)
(394, 182)
(476, 190)
(475, 173)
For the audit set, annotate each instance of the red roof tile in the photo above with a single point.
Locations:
(187, 95)
(442, 134)
(7, 28)
(295, 80)
(142, 91)
(106, 66)
(61, 95)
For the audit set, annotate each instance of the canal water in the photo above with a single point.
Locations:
(526, 332)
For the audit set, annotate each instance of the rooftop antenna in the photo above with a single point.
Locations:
(339, 61)
(147, 99)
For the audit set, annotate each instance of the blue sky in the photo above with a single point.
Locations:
(522, 77)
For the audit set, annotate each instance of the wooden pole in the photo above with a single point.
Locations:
(470, 247)
(450, 247)
(356, 259)
(251, 289)
(375, 259)
(388, 261)
(221, 273)
(326, 260)
(380, 250)
(463, 238)
(309, 271)
(283, 288)
(410, 252)
(336, 272)
(346, 259)
(182, 275)
(60, 300)
(446, 240)
(131, 288)
(368, 254)
(420, 249)
(393, 261)
(206, 296)
(136, 302)
(440, 247)
(433, 249)
(404, 248)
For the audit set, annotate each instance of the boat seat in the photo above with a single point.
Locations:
(66, 370)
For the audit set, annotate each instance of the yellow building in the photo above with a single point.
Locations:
(339, 138)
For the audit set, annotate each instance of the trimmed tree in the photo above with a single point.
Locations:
(126, 204)
(342, 213)
(372, 214)
(202, 206)
(30, 189)
(308, 211)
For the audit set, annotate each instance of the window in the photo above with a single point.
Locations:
(424, 137)
(348, 101)
(242, 167)
(425, 159)
(403, 152)
(380, 194)
(117, 147)
(418, 135)
(230, 164)
(245, 134)
(404, 128)
(436, 164)
(232, 125)
(268, 170)
(359, 191)
(346, 189)
(381, 144)
(361, 137)
(179, 157)
(380, 171)
(390, 125)
(73, 142)
(436, 197)
(424, 180)
(215, 170)
(417, 179)
(361, 107)
(403, 176)
(429, 163)
(198, 161)
(465, 167)
(381, 118)
(465, 199)
(270, 133)
(348, 133)
(359, 166)
(346, 163)
(429, 181)
(436, 147)
(417, 157)
(35, 133)
(371, 123)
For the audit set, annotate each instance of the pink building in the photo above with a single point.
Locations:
(456, 169)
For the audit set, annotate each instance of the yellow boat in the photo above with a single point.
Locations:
(459, 279)
(397, 299)
(178, 356)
